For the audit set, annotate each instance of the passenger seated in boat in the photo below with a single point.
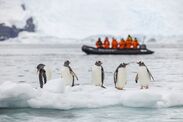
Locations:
(114, 43)
(129, 42)
(106, 43)
(122, 44)
(99, 43)
(135, 43)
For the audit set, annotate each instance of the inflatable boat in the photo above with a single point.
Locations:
(142, 50)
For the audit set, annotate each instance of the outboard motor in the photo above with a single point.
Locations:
(143, 46)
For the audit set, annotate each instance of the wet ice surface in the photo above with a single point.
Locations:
(18, 64)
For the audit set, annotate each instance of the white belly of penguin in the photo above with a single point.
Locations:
(143, 76)
(67, 76)
(96, 75)
(121, 78)
(48, 72)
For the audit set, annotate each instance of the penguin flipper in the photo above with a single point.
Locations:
(136, 78)
(102, 71)
(44, 77)
(72, 72)
(72, 81)
(40, 80)
(115, 80)
(150, 73)
(115, 76)
(73, 75)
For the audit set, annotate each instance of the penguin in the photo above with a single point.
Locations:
(42, 74)
(98, 74)
(68, 74)
(143, 76)
(120, 76)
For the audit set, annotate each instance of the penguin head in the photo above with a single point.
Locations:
(98, 63)
(40, 66)
(140, 63)
(123, 65)
(66, 63)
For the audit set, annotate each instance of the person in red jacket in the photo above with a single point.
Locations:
(114, 43)
(135, 43)
(129, 42)
(99, 43)
(106, 43)
(122, 44)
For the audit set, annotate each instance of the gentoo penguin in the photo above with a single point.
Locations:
(42, 74)
(68, 75)
(143, 75)
(98, 74)
(120, 76)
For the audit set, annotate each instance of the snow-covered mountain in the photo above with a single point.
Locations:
(83, 18)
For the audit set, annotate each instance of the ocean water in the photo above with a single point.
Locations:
(22, 100)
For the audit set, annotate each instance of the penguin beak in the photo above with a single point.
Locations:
(127, 64)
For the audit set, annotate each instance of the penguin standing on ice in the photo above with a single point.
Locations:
(42, 74)
(143, 75)
(120, 76)
(68, 75)
(98, 74)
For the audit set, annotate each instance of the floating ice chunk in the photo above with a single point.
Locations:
(15, 94)
(55, 95)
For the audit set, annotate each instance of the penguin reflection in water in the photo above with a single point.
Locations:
(42, 74)
(68, 75)
(120, 76)
(143, 75)
(98, 74)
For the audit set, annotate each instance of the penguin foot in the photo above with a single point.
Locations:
(144, 87)
(103, 87)
(75, 85)
(119, 88)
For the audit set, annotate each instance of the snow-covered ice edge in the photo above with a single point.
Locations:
(56, 96)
